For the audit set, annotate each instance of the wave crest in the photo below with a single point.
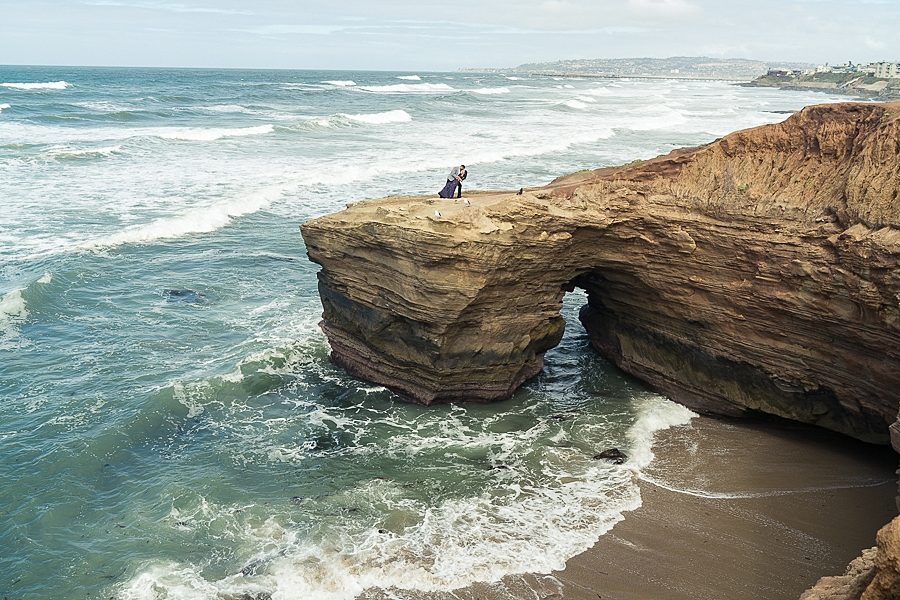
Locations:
(409, 88)
(392, 116)
(53, 85)
(490, 91)
(202, 220)
(209, 135)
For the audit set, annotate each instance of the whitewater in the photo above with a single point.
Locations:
(171, 424)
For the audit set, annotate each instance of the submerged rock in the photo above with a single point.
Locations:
(613, 455)
(757, 274)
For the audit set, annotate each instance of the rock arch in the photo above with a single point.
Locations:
(758, 274)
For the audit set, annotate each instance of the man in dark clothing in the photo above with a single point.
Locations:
(454, 182)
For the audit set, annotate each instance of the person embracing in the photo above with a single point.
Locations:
(454, 182)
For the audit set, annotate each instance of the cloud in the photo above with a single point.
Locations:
(177, 8)
(662, 8)
(875, 44)
(556, 6)
(269, 30)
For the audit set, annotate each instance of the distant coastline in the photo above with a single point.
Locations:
(851, 84)
(676, 67)
(745, 72)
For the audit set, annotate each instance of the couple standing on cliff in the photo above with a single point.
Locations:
(454, 182)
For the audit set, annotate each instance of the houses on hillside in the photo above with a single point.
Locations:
(882, 70)
(887, 70)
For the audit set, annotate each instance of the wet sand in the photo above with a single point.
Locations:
(731, 510)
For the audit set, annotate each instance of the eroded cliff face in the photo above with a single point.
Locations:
(873, 576)
(758, 274)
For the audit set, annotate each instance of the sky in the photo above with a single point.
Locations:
(410, 35)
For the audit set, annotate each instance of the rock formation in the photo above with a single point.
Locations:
(757, 274)
(873, 576)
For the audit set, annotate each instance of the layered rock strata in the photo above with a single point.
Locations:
(873, 576)
(757, 274)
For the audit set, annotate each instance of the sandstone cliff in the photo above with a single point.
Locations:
(873, 576)
(758, 274)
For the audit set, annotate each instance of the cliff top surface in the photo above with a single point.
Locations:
(827, 163)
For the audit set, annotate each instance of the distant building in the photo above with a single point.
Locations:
(887, 70)
(784, 73)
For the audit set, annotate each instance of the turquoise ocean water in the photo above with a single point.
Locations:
(170, 425)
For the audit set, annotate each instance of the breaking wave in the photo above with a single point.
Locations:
(409, 88)
(392, 116)
(201, 220)
(197, 134)
(53, 85)
(489, 91)
(531, 515)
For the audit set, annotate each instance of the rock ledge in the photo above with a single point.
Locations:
(758, 274)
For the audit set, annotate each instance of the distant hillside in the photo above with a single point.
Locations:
(681, 67)
(862, 85)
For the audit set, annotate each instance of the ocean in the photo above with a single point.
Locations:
(170, 425)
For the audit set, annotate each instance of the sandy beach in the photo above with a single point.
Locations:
(731, 510)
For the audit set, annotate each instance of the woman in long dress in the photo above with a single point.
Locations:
(454, 182)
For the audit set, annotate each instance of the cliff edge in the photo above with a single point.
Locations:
(757, 274)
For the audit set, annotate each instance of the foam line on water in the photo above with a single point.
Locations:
(53, 85)
(201, 220)
(341, 83)
(392, 116)
(12, 311)
(526, 519)
(2, 106)
(409, 88)
(409, 77)
(655, 414)
(490, 91)
(208, 135)
(698, 493)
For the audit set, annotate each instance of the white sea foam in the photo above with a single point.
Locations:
(409, 88)
(517, 524)
(700, 493)
(597, 92)
(12, 313)
(514, 78)
(197, 134)
(46, 278)
(410, 77)
(392, 116)
(655, 414)
(489, 91)
(53, 85)
(2, 106)
(228, 108)
(575, 104)
(586, 99)
(200, 220)
(655, 117)
(341, 83)
(65, 151)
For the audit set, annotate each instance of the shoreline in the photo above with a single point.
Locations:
(730, 509)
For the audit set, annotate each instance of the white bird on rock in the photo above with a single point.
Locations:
(437, 214)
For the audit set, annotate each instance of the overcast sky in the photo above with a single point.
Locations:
(422, 35)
